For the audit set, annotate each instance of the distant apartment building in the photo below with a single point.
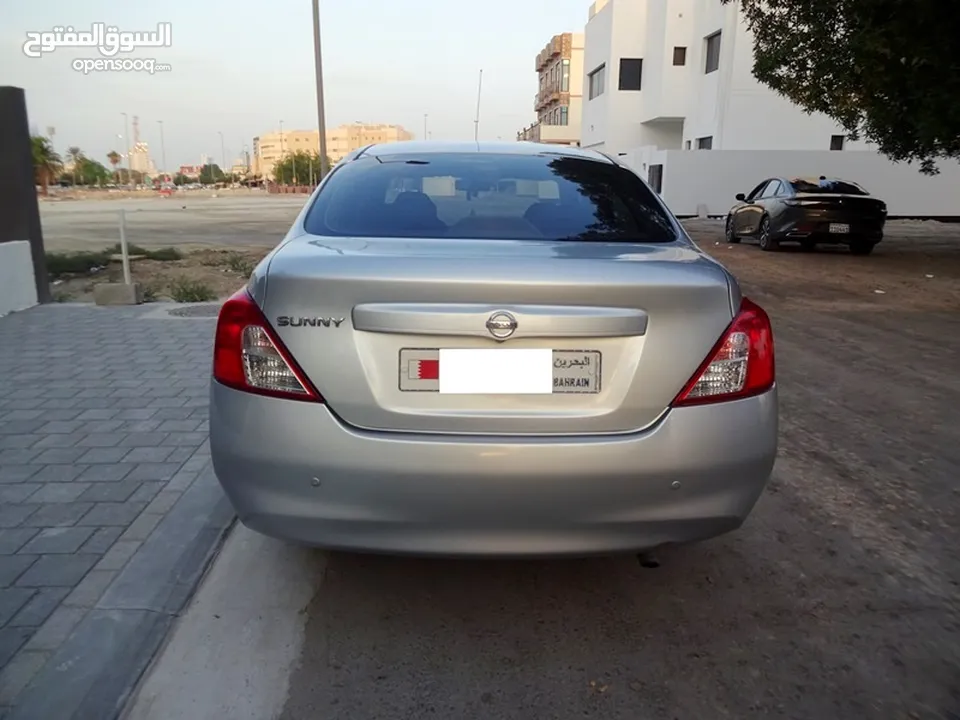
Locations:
(559, 98)
(678, 74)
(270, 147)
(140, 160)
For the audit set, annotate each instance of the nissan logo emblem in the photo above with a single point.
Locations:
(502, 325)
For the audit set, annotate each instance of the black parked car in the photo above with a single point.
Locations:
(808, 211)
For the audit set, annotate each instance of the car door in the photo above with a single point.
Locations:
(773, 203)
(747, 217)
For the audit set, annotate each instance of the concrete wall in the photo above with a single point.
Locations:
(667, 88)
(18, 291)
(713, 178)
(738, 111)
(596, 51)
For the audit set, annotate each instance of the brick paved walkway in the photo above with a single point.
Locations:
(108, 507)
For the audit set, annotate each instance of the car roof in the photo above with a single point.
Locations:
(420, 147)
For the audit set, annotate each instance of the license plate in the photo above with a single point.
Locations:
(500, 371)
(840, 228)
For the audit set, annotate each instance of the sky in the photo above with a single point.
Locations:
(240, 67)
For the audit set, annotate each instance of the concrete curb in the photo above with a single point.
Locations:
(93, 673)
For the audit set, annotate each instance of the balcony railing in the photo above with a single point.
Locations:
(550, 94)
(558, 45)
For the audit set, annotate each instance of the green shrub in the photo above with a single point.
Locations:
(81, 263)
(240, 265)
(164, 254)
(59, 264)
(184, 290)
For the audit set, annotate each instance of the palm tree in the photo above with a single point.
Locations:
(75, 156)
(114, 157)
(46, 162)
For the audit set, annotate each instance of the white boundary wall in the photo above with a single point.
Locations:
(712, 178)
(18, 291)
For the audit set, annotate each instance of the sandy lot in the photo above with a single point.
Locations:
(917, 266)
(187, 220)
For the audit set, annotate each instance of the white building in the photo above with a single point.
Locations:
(677, 74)
(664, 77)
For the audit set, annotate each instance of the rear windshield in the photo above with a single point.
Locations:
(829, 187)
(486, 197)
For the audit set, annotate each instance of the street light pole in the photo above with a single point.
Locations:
(321, 121)
(163, 151)
(281, 149)
(126, 142)
(425, 126)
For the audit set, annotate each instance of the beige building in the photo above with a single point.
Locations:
(342, 140)
(559, 99)
(140, 160)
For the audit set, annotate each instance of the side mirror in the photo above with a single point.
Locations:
(741, 197)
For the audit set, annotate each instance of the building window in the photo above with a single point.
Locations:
(655, 178)
(712, 53)
(631, 73)
(836, 142)
(679, 56)
(597, 79)
(564, 115)
(705, 143)
(565, 81)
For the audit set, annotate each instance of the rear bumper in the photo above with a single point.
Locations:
(293, 471)
(801, 227)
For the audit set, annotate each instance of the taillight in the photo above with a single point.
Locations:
(247, 354)
(741, 364)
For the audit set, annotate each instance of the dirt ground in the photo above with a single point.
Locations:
(839, 598)
(222, 271)
(910, 268)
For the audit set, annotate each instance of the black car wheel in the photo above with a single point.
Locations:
(861, 247)
(728, 233)
(765, 235)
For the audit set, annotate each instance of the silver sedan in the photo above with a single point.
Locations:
(491, 350)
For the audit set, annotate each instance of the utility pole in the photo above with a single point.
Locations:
(163, 152)
(318, 57)
(281, 150)
(126, 142)
(476, 123)
(425, 126)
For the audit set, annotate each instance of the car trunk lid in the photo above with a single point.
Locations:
(374, 323)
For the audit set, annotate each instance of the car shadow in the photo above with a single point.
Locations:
(747, 624)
